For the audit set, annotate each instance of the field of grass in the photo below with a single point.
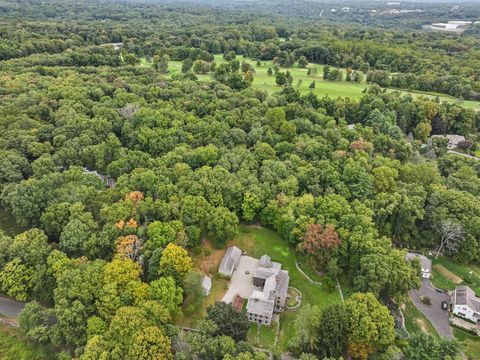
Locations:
(14, 347)
(442, 280)
(196, 309)
(470, 343)
(301, 82)
(262, 336)
(415, 321)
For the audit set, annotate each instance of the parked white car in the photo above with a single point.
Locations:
(426, 273)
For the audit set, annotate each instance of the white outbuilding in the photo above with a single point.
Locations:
(206, 285)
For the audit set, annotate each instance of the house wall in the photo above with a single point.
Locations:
(279, 303)
(464, 311)
(259, 319)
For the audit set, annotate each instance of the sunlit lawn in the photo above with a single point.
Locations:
(262, 336)
(470, 342)
(415, 321)
(302, 81)
(461, 270)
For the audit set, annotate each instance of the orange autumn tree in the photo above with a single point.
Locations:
(129, 247)
(319, 242)
(132, 200)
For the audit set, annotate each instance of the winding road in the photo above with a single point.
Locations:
(434, 312)
(10, 308)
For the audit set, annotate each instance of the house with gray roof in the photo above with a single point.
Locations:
(466, 304)
(270, 294)
(230, 261)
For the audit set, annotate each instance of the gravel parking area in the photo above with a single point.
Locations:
(241, 283)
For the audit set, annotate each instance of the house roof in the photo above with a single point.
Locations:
(265, 261)
(230, 260)
(269, 287)
(464, 295)
(258, 304)
(282, 280)
(455, 139)
(267, 267)
(206, 283)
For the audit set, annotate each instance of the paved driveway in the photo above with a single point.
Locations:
(241, 283)
(438, 317)
(10, 308)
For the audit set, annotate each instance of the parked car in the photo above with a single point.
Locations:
(426, 273)
(444, 305)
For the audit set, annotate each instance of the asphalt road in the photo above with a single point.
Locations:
(10, 308)
(434, 312)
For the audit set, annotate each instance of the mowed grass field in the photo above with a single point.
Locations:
(446, 274)
(471, 343)
(302, 81)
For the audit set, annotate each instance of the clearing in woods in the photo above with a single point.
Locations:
(302, 81)
(448, 274)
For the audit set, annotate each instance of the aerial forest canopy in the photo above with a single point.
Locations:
(133, 133)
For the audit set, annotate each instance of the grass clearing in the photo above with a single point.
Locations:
(415, 321)
(196, 309)
(469, 274)
(302, 81)
(13, 346)
(470, 342)
(262, 336)
(448, 274)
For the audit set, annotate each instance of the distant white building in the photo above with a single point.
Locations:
(206, 285)
(465, 303)
(116, 46)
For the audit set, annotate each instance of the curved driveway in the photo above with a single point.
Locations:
(438, 317)
(10, 308)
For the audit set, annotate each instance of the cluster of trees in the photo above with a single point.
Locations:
(427, 61)
(360, 328)
(192, 159)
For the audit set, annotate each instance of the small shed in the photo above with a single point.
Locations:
(206, 285)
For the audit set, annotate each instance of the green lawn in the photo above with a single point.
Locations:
(262, 336)
(301, 81)
(196, 309)
(463, 271)
(470, 342)
(14, 347)
(415, 321)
